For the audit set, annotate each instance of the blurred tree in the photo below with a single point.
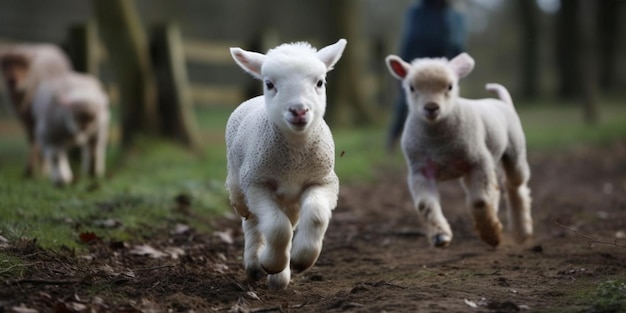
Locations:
(529, 22)
(588, 76)
(568, 48)
(351, 102)
(608, 41)
(575, 55)
(82, 47)
(150, 106)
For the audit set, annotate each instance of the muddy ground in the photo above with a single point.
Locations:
(375, 256)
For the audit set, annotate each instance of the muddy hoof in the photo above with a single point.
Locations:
(255, 274)
(441, 240)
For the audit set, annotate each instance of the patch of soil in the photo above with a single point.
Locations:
(375, 256)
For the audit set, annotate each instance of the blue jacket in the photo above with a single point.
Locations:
(432, 31)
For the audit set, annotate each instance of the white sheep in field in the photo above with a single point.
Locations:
(71, 110)
(280, 156)
(448, 137)
(23, 67)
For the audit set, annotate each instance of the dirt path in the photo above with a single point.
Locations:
(375, 258)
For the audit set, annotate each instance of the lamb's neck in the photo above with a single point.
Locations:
(301, 139)
(447, 126)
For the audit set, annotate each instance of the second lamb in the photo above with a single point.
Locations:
(449, 137)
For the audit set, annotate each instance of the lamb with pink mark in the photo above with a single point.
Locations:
(449, 137)
(280, 155)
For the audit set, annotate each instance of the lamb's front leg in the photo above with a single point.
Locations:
(426, 201)
(252, 243)
(59, 165)
(276, 229)
(483, 196)
(317, 203)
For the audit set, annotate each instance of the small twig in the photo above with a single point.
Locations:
(271, 309)
(15, 266)
(588, 237)
(153, 268)
(44, 282)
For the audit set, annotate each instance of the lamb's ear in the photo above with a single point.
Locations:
(329, 55)
(251, 62)
(398, 68)
(462, 64)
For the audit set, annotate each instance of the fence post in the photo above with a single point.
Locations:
(82, 47)
(174, 99)
(123, 35)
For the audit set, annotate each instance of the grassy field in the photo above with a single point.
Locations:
(138, 195)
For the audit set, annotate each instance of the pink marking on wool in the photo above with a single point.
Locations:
(430, 169)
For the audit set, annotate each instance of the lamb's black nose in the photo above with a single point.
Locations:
(431, 107)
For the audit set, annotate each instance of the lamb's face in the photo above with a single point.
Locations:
(14, 69)
(81, 120)
(294, 81)
(431, 85)
(431, 90)
(295, 92)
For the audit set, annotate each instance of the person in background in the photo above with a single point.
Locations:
(432, 29)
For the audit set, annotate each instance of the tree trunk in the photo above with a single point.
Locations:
(351, 103)
(126, 43)
(588, 78)
(529, 48)
(608, 41)
(82, 48)
(568, 49)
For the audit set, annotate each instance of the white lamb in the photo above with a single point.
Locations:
(71, 110)
(448, 137)
(23, 67)
(281, 160)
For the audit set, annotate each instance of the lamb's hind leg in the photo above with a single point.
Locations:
(517, 176)
(483, 196)
(426, 200)
(315, 212)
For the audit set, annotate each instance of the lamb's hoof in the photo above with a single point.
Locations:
(255, 274)
(300, 267)
(279, 281)
(522, 238)
(491, 234)
(441, 240)
(302, 260)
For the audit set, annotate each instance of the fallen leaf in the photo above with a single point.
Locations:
(108, 223)
(89, 237)
(180, 229)
(252, 295)
(220, 268)
(4, 243)
(174, 252)
(226, 236)
(470, 303)
(23, 309)
(146, 250)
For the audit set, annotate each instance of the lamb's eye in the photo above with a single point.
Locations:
(269, 85)
(449, 87)
(412, 88)
(320, 83)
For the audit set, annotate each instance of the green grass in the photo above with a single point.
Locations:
(549, 126)
(139, 193)
(607, 295)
